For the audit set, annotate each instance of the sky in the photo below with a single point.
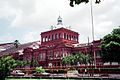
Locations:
(24, 20)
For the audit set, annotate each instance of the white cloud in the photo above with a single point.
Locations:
(39, 15)
(6, 38)
(30, 37)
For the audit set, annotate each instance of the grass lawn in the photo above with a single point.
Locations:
(24, 79)
(42, 79)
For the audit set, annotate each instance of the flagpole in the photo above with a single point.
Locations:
(92, 25)
(92, 22)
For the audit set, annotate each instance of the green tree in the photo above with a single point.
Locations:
(86, 59)
(111, 46)
(35, 62)
(7, 64)
(66, 60)
(77, 2)
(78, 57)
(22, 63)
(16, 43)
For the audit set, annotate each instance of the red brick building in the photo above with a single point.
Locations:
(61, 42)
(55, 44)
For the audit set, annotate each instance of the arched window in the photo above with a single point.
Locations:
(56, 36)
(74, 38)
(60, 35)
(64, 35)
(70, 37)
(49, 38)
(46, 39)
(43, 39)
(52, 37)
(67, 36)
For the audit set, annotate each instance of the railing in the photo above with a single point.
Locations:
(114, 69)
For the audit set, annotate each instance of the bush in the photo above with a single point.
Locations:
(39, 70)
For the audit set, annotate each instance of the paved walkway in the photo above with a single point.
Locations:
(100, 76)
(116, 76)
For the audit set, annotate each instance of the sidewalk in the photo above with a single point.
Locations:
(73, 76)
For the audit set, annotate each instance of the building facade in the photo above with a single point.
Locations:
(55, 44)
(61, 42)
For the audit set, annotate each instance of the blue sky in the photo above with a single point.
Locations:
(24, 20)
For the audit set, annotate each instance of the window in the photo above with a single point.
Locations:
(50, 56)
(42, 56)
(70, 37)
(56, 55)
(43, 39)
(98, 53)
(56, 36)
(60, 35)
(46, 39)
(67, 36)
(77, 38)
(64, 35)
(52, 37)
(74, 38)
(49, 38)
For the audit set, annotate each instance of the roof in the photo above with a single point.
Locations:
(5, 46)
(58, 29)
(13, 49)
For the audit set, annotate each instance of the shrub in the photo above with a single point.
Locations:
(39, 70)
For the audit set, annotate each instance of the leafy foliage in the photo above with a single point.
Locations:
(7, 63)
(34, 62)
(16, 43)
(74, 59)
(111, 46)
(39, 70)
(74, 2)
(22, 63)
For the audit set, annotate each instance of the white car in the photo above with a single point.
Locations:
(17, 73)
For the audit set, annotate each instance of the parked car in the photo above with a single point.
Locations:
(17, 73)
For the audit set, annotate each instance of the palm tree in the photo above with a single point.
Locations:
(82, 58)
(78, 57)
(16, 43)
(66, 60)
(86, 59)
